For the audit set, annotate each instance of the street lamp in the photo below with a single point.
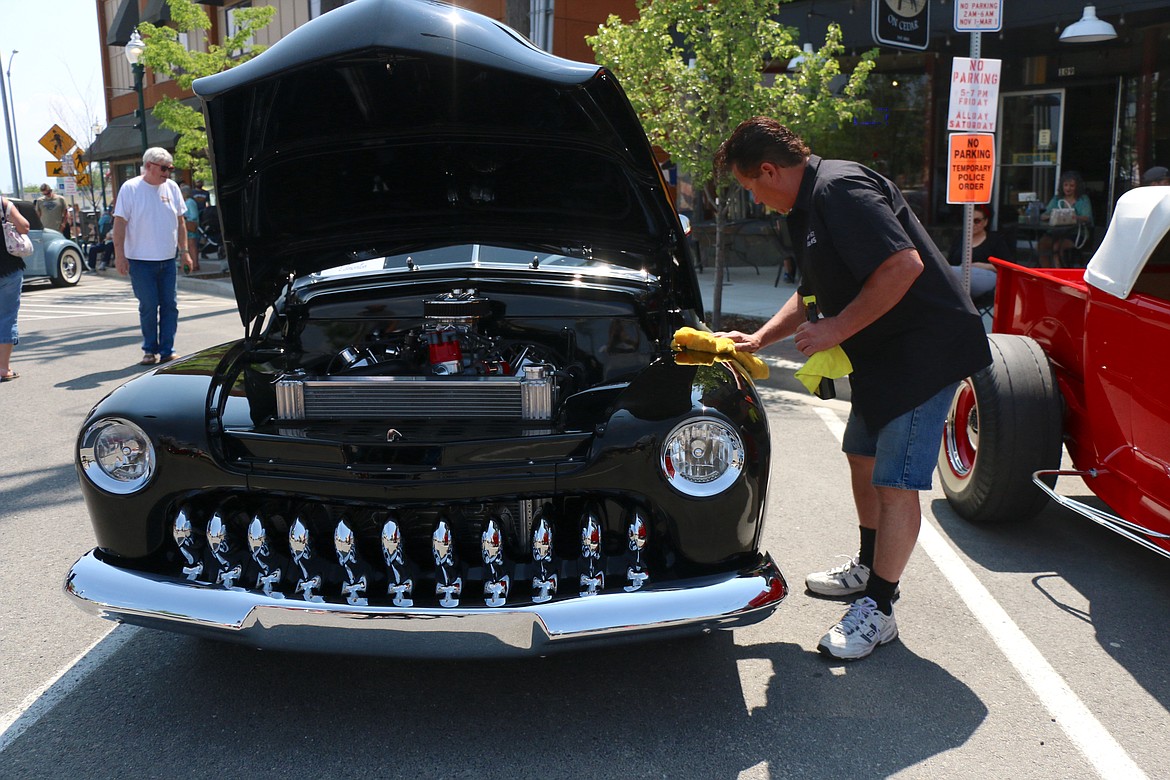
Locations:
(8, 132)
(15, 139)
(97, 129)
(134, 49)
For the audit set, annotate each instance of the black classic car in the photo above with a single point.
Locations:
(455, 425)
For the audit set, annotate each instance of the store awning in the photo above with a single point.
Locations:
(157, 12)
(122, 140)
(125, 22)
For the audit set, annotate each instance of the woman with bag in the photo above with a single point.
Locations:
(11, 279)
(1071, 216)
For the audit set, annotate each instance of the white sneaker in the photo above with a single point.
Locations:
(862, 628)
(845, 580)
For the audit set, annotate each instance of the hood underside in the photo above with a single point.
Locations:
(390, 126)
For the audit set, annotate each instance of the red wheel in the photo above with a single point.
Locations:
(1004, 424)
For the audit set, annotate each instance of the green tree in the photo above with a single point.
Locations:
(167, 55)
(693, 70)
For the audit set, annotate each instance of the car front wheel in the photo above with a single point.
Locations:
(68, 268)
(1005, 423)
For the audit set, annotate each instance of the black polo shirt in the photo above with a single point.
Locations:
(847, 221)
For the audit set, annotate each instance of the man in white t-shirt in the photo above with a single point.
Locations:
(149, 230)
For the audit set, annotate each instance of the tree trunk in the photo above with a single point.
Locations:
(720, 221)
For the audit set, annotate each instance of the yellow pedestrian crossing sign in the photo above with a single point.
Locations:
(54, 168)
(57, 141)
(78, 160)
(83, 180)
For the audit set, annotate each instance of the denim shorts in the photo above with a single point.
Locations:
(9, 306)
(905, 450)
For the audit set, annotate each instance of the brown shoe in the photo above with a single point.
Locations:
(169, 358)
(148, 359)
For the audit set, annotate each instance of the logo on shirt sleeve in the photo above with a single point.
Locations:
(811, 238)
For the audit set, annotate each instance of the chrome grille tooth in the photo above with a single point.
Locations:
(184, 538)
(220, 545)
(301, 545)
(637, 535)
(592, 573)
(544, 582)
(496, 581)
(356, 583)
(448, 583)
(399, 586)
(269, 570)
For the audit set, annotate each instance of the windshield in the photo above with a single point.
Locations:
(487, 256)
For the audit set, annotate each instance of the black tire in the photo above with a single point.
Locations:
(68, 268)
(1004, 424)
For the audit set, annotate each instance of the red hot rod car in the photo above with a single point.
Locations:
(1079, 357)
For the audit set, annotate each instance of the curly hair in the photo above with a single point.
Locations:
(1073, 176)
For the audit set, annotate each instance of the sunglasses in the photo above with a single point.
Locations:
(164, 168)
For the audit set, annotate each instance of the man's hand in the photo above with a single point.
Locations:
(744, 342)
(813, 337)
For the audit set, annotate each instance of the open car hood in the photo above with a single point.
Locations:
(390, 126)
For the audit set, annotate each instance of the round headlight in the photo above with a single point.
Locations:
(117, 456)
(702, 457)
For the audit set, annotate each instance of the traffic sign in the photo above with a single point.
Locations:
(974, 94)
(978, 15)
(78, 160)
(83, 180)
(972, 167)
(57, 141)
(54, 168)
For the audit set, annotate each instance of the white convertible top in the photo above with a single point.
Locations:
(1140, 222)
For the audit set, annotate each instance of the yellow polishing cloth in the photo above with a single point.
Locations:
(688, 339)
(832, 363)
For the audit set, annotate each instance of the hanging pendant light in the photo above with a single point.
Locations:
(1089, 29)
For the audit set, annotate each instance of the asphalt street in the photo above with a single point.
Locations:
(1034, 650)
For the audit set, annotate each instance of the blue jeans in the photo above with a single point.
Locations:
(905, 450)
(9, 306)
(155, 286)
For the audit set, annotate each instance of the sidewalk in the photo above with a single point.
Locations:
(747, 293)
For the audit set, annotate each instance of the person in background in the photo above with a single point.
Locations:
(11, 279)
(1055, 245)
(102, 250)
(892, 304)
(1157, 176)
(149, 231)
(51, 209)
(984, 245)
(191, 216)
(200, 195)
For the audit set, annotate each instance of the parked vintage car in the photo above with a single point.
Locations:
(455, 425)
(1079, 358)
(54, 257)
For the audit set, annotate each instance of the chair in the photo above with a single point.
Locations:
(985, 305)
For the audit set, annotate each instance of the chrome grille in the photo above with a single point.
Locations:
(333, 398)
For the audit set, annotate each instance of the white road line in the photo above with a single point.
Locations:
(1070, 713)
(24, 716)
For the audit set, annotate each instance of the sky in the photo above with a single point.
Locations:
(56, 78)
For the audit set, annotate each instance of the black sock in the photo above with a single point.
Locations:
(868, 542)
(882, 593)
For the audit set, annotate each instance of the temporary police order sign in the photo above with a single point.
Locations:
(972, 167)
(974, 95)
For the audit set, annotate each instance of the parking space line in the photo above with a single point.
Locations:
(24, 716)
(1083, 729)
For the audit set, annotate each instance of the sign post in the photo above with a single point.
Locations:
(974, 106)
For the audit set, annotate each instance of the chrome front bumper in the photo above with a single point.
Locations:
(716, 602)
